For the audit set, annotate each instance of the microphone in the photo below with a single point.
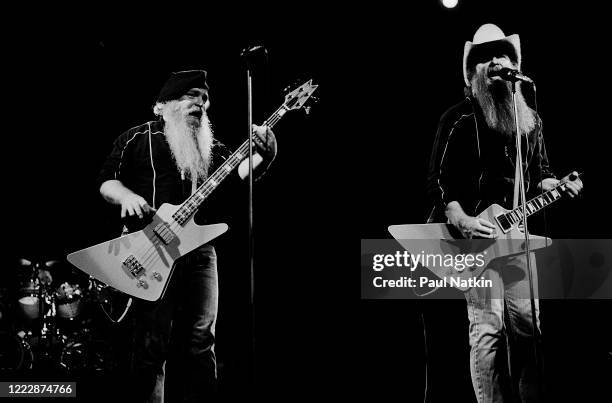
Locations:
(509, 74)
(253, 50)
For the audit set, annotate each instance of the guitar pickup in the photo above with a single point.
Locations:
(162, 230)
(503, 222)
(133, 266)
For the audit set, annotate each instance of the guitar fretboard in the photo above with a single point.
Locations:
(534, 205)
(189, 207)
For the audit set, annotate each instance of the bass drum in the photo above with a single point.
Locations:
(88, 356)
(15, 353)
(74, 357)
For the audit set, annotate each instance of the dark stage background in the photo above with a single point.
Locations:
(352, 167)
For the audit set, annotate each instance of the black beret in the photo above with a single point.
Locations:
(180, 82)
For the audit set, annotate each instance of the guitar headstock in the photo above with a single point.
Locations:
(298, 97)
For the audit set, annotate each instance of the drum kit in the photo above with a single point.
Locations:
(47, 320)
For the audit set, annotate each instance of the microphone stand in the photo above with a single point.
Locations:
(248, 54)
(526, 232)
(251, 239)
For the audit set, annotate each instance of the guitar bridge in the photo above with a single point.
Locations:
(133, 266)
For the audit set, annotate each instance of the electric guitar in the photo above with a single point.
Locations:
(446, 239)
(140, 264)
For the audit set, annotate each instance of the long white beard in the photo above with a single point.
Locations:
(495, 100)
(190, 145)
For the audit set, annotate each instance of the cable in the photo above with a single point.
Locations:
(95, 283)
(127, 308)
(426, 358)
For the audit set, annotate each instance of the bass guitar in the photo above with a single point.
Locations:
(140, 264)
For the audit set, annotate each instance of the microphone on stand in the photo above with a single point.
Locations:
(253, 50)
(253, 55)
(509, 74)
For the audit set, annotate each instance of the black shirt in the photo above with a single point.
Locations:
(475, 165)
(141, 159)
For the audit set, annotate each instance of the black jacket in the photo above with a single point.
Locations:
(141, 159)
(475, 165)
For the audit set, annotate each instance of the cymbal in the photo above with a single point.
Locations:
(38, 263)
(25, 262)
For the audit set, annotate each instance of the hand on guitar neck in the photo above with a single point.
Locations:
(573, 184)
(494, 222)
(480, 227)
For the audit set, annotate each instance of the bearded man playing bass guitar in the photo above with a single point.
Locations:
(164, 161)
(473, 166)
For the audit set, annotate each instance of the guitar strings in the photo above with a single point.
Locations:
(519, 213)
(150, 255)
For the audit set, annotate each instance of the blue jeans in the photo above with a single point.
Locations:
(502, 360)
(180, 325)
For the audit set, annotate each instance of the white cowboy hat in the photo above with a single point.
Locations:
(487, 37)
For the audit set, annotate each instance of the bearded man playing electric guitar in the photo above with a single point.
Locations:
(473, 166)
(165, 161)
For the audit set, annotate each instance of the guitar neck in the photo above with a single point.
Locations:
(537, 203)
(189, 207)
